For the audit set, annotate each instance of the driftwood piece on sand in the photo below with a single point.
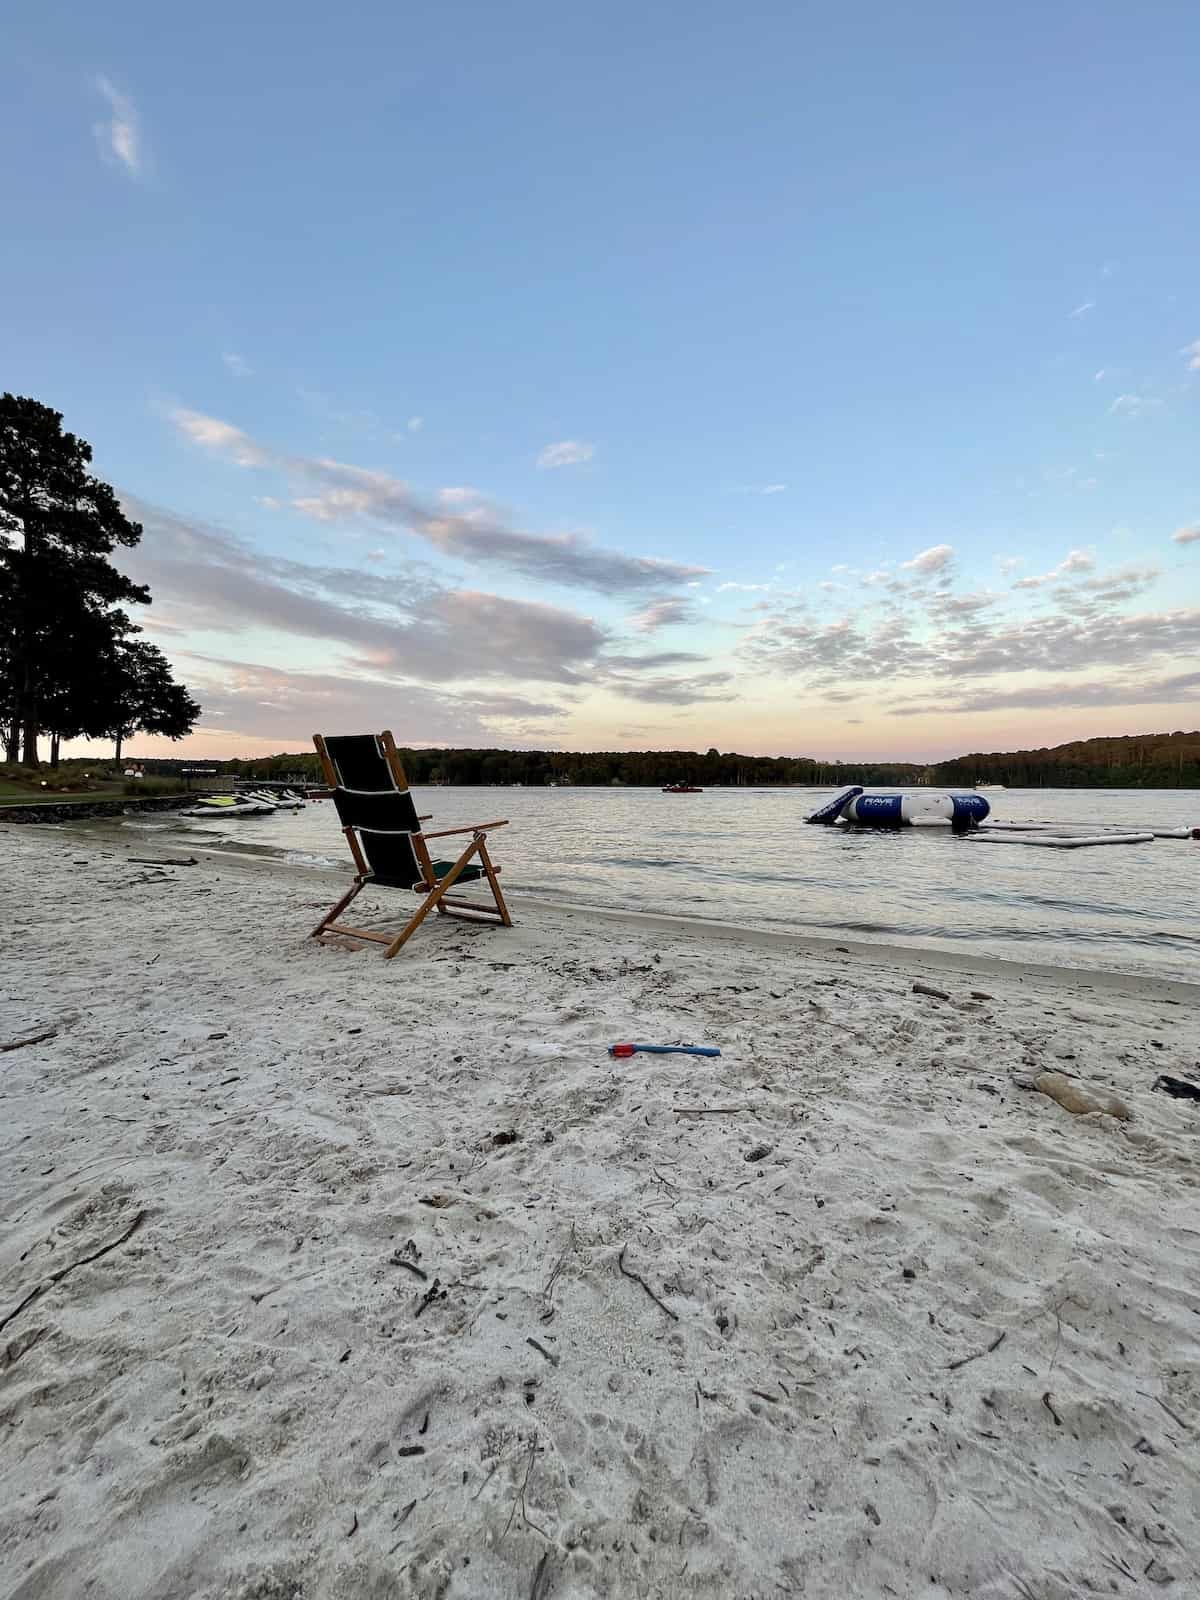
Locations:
(35, 1038)
(1076, 1098)
(57, 1277)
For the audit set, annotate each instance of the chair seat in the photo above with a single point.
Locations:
(440, 869)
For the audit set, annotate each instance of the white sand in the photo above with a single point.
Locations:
(245, 1399)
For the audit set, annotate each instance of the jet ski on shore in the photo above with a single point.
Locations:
(228, 805)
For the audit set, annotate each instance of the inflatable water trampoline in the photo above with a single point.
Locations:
(912, 809)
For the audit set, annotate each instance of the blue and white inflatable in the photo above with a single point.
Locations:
(913, 809)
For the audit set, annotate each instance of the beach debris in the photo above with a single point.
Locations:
(637, 1278)
(439, 1202)
(542, 1351)
(976, 1354)
(547, 1312)
(57, 1277)
(759, 1152)
(1048, 1402)
(933, 994)
(505, 1136)
(1174, 1415)
(709, 1111)
(399, 1258)
(167, 861)
(1075, 1098)
(543, 1576)
(1177, 1088)
(622, 1051)
(36, 1038)
(434, 1292)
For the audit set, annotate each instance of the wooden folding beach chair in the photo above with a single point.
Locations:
(383, 831)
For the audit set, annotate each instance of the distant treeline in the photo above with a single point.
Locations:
(535, 768)
(1138, 761)
(1133, 761)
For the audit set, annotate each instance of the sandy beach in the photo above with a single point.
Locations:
(402, 1286)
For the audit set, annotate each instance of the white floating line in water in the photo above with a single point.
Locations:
(1059, 830)
(1064, 841)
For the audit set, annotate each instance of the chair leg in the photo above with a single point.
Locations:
(335, 913)
(431, 900)
(501, 907)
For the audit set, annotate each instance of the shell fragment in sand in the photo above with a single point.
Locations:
(1074, 1097)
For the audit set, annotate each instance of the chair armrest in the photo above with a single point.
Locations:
(470, 827)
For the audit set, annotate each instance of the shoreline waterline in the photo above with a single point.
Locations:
(888, 954)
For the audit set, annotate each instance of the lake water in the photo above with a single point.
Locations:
(746, 856)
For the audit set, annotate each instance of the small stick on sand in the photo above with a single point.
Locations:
(995, 1345)
(540, 1586)
(57, 1277)
(1174, 1415)
(709, 1111)
(37, 1038)
(1049, 1405)
(520, 1499)
(625, 1272)
(934, 994)
(542, 1351)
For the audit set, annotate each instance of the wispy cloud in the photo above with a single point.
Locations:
(936, 559)
(120, 137)
(568, 453)
(220, 436)
(248, 700)
(1068, 694)
(1083, 308)
(1134, 405)
(1188, 535)
(1100, 375)
(1074, 561)
(773, 488)
(475, 532)
(415, 424)
(237, 365)
(661, 614)
(1192, 352)
(410, 625)
(1009, 564)
(676, 691)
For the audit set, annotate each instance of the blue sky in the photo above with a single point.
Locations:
(791, 379)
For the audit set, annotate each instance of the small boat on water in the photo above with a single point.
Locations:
(228, 805)
(681, 788)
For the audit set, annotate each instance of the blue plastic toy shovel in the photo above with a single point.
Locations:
(623, 1050)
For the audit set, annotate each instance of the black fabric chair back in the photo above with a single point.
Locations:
(381, 813)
